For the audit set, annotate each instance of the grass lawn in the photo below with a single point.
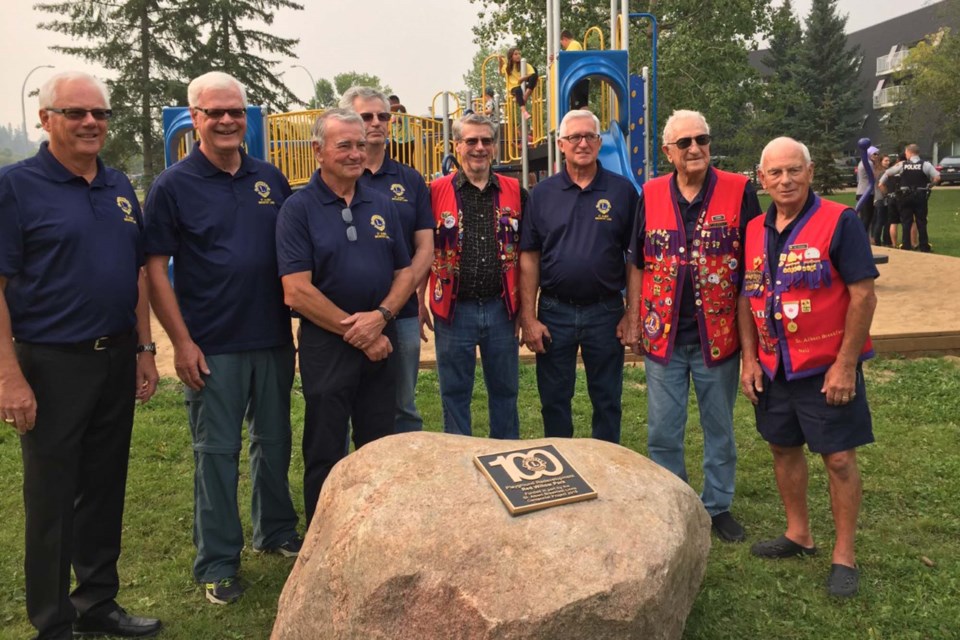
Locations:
(908, 539)
(943, 221)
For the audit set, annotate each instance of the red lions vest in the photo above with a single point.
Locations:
(448, 234)
(714, 261)
(801, 298)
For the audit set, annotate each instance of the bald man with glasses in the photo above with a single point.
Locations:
(684, 277)
(346, 271)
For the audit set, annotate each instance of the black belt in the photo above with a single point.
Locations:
(115, 341)
(581, 302)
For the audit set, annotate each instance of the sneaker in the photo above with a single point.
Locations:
(223, 591)
(727, 528)
(288, 549)
(843, 581)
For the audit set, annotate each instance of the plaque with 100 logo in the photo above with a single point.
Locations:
(535, 478)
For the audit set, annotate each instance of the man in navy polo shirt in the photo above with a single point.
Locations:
(574, 237)
(408, 192)
(215, 212)
(72, 309)
(805, 313)
(684, 276)
(345, 269)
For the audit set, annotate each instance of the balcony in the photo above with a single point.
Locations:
(889, 96)
(891, 62)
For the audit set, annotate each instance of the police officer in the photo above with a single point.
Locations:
(73, 309)
(574, 236)
(916, 176)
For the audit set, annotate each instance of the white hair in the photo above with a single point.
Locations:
(363, 93)
(677, 116)
(578, 113)
(477, 120)
(50, 89)
(213, 80)
(319, 130)
(786, 140)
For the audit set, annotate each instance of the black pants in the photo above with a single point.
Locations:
(341, 386)
(867, 212)
(74, 478)
(913, 210)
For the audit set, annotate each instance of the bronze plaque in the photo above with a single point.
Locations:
(535, 478)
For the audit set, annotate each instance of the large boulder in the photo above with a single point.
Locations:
(410, 541)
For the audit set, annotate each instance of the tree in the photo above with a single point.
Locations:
(324, 95)
(347, 79)
(474, 78)
(226, 42)
(829, 117)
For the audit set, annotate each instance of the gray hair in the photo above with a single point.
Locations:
(318, 131)
(213, 80)
(363, 93)
(477, 120)
(50, 89)
(913, 149)
(786, 140)
(578, 113)
(676, 117)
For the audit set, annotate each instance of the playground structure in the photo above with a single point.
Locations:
(626, 107)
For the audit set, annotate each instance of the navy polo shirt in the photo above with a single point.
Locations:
(688, 330)
(581, 234)
(312, 236)
(409, 194)
(220, 229)
(70, 250)
(850, 251)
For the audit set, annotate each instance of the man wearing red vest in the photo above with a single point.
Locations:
(804, 321)
(684, 278)
(473, 288)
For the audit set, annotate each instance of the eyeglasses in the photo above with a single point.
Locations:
(217, 114)
(383, 116)
(472, 142)
(702, 140)
(347, 216)
(75, 113)
(576, 138)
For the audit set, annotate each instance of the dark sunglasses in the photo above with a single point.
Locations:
(383, 116)
(472, 142)
(575, 138)
(75, 113)
(702, 140)
(216, 114)
(347, 216)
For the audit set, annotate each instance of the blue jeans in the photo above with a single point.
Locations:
(668, 391)
(485, 323)
(407, 353)
(592, 328)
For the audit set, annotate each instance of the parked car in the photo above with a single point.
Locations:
(949, 169)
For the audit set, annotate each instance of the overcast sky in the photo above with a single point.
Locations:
(398, 40)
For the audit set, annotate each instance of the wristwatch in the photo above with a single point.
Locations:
(387, 314)
(150, 347)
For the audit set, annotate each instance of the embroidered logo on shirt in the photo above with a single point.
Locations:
(263, 190)
(604, 207)
(398, 192)
(378, 223)
(127, 209)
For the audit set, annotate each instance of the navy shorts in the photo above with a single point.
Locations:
(792, 413)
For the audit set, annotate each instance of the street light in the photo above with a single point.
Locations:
(23, 92)
(313, 83)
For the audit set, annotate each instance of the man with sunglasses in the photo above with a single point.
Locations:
(685, 273)
(408, 192)
(75, 355)
(473, 290)
(345, 269)
(215, 212)
(576, 231)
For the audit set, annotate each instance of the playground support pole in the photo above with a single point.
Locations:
(524, 128)
(552, 139)
(446, 123)
(625, 44)
(551, 82)
(612, 99)
(654, 32)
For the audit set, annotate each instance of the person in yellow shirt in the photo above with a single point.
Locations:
(580, 94)
(521, 85)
